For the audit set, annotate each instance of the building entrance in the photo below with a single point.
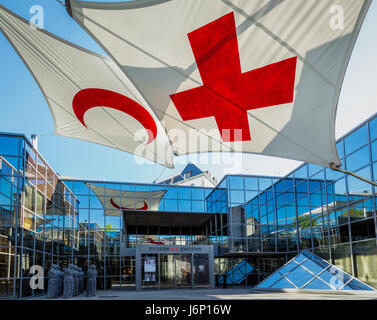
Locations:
(175, 271)
(172, 267)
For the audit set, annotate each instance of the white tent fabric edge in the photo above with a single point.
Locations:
(112, 67)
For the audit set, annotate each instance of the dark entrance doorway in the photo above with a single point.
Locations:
(172, 267)
(175, 271)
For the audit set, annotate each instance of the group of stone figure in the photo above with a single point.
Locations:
(70, 281)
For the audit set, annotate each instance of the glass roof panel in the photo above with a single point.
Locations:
(270, 280)
(288, 267)
(307, 254)
(317, 284)
(300, 276)
(283, 284)
(302, 270)
(356, 285)
(300, 258)
(339, 274)
(326, 276)
(323, 263)
(312, 266)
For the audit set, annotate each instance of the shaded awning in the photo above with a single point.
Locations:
(114, 201)
(258, 77)
(192, 76)
(89, 97)
(166, 223)
(166, 219)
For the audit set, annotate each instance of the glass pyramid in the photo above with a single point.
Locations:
(308, 271)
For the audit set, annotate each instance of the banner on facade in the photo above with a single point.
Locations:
(114, 200)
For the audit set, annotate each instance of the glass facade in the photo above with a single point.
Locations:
(45, 220)
(39, 217)
(110, 213)
(256, 223)
(315, 208)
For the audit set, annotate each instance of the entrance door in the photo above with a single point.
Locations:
(183, 270)
(167, 267)
(201, 270)
(175, 271)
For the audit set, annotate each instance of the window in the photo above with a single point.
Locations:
(365, 258)
(251, 183)
(302, 173)
(40, 204)
(264, 183)
(9, 146)
(357, 185)
(29, 195)
(236, 183)
(356, 140)
(373, 129)
(237, 196)
(358, 159)
(184, 193)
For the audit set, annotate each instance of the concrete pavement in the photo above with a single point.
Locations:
(221, 294)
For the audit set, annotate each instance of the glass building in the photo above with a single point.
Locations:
(256, 224)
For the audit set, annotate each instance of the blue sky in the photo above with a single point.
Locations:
(24, 110)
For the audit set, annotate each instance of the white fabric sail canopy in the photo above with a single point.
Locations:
(257, 76)
(114, 201)
(90, 98)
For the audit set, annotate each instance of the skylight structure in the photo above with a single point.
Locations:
(238, 273)
(309, 271)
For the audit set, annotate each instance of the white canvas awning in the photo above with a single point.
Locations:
(273, 69)
(90, 98)
(115, 201)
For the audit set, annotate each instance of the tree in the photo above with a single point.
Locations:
(304, 222)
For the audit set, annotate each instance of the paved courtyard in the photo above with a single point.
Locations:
(221, 294)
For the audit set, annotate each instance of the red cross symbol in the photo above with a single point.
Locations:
(228, 93)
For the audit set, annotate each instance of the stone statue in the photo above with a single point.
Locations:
(78, 280)
(81, 281)
(62, 281)
(75, 281)
(92, 281)
(52, 282)
(68, 282)
(58, 282)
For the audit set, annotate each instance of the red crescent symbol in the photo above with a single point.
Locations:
(90, 98)
(144, 207)
(151, 241)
